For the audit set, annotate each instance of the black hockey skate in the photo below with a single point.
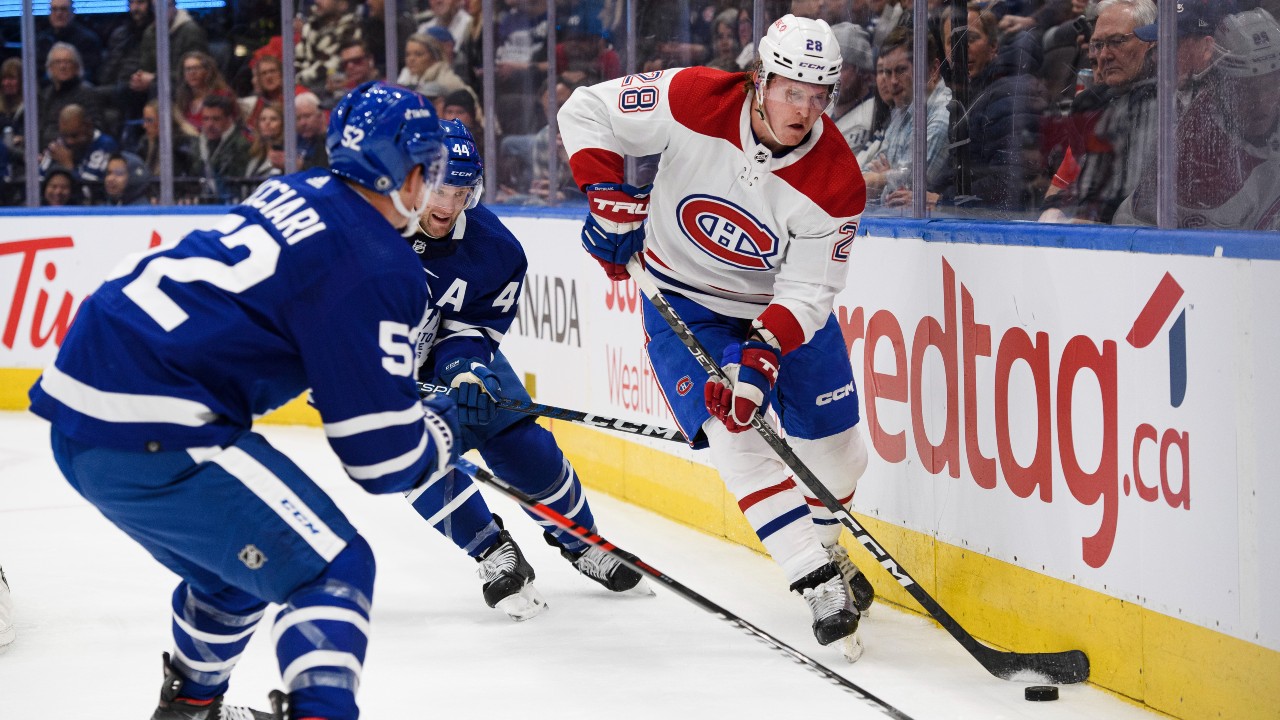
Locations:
(603, 568)
(175, 707)
(835, 618)
(508, 578)
(859, 586)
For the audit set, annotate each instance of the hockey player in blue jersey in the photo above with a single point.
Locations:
(306, 284)
(476, 268)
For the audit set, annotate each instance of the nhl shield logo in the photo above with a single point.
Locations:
(252, 557)
(727, 233)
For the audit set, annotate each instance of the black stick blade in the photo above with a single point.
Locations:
(1055, 668)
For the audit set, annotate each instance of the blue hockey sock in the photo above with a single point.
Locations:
(526, 455)
(455, 508)
(210, 631)
(322, 633)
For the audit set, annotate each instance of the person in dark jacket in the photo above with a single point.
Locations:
(126, 182)
(63, 27)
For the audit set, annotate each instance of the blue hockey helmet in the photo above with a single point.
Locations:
(379, 133)
(464, 166)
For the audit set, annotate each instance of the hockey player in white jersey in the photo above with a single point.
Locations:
(747, 230)
(152, 397)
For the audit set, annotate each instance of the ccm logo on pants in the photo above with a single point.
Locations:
(838, 394)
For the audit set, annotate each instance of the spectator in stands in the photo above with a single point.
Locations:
(1197, 52)
(855, 108)
(520, 66)
(64, 27)
(330, 23)
(126, 182)
(11, 95)
(79, 146)
(59, 188)
(1038, 16)
(147, 144)
(66, 87)
(518, 172)
(1116, 118)
(268, 89)
(224, 151)
(185, 36)
(1227, 140)
(999, 163)
(312, 122)
(886, 15)
(583, 54)
(461, 105)
(424, 63)
(746, 40)
(888, 174)
(357, 67)
(201, 79)
(724, 41)
(373, 29)
(123, 58)
(450, 15)
(1066, 53)
(448, 46)
(266, 154)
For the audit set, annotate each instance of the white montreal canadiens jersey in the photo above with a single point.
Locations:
(303, 285)
(730, 225)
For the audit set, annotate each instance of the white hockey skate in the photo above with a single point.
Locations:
(508, 579)
(835, 618)
(859, 586)
(7, 631)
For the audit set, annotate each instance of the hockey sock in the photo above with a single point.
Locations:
(321, 635)
(769, 499)
(210, 631)
(527, 456)
(454, 507)
(838, 461)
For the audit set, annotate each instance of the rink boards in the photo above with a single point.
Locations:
(1069, 427)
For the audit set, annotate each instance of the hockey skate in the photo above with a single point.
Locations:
(835, 618)
(7, 631)
(859, 586)
(508, 579)
(603, 568)
(175, 707)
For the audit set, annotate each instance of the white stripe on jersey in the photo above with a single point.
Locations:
(282, 500)
(387, 467)
(457, 328)
(123, 407)
(374, 421)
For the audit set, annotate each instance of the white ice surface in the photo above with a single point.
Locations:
(93, 617)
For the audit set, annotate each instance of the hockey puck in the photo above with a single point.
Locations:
(1041, 693)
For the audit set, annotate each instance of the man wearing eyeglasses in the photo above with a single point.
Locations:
(64, 27)
(355, 67)
(1116, 118)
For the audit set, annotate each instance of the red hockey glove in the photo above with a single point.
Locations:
(752, 371)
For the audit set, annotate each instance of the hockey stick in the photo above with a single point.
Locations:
(640, 566)
(574, 416)
(1059, 668)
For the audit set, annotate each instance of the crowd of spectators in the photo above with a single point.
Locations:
(1035, 109)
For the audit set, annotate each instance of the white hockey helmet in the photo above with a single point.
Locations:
(1250, 43)
(801, 49)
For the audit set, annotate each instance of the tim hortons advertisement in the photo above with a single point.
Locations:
(50, 264)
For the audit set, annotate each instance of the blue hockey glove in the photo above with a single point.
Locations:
(475, 387)
(614, 231)
(752, 370)
(442, 425)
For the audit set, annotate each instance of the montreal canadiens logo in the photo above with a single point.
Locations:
(727, 233)
(684, 385)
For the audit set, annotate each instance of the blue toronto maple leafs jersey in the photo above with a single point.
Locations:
(303, 285)
(476, 276)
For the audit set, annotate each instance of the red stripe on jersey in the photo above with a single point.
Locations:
(709, 102)
(778, 320)
(815, 502)
(594, 165)
(828, 175)
(745, 503)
